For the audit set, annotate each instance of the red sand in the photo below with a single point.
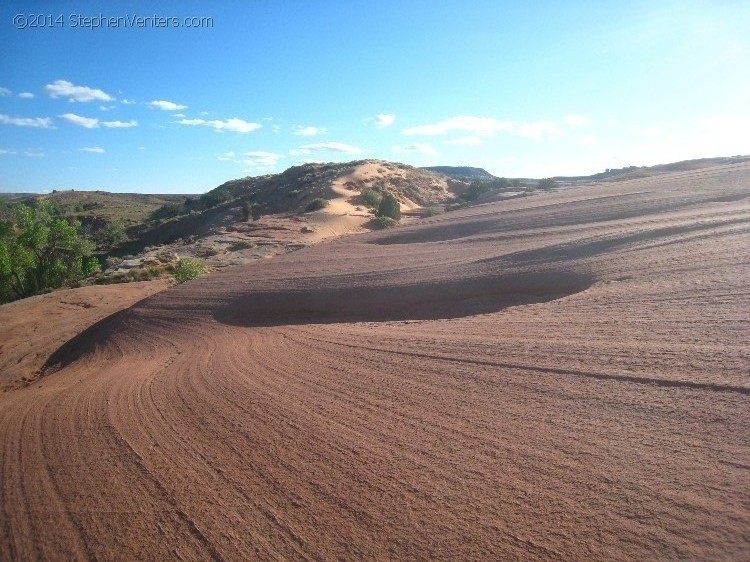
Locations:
(558, 376)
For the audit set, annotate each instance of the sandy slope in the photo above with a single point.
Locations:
(32, 329)
(558, 376)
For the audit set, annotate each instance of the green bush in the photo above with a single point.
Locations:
(389, 207)
(189, 268)
(316, 205)
(372, 198)
(547, 184)
(383, 222)
(429, 212)
(40, 251)
(241, 245)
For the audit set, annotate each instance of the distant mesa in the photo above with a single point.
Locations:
(462, 172)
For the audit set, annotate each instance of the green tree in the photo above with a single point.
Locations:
(547, 184)
(389, 207)
(112, 235)
(39, 250)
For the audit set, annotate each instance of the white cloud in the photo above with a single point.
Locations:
(26, 95)
(482, 126)
(127, 102)
(384, 120)
(178, 115)
(325, 147)
(576, 120)
(233, 125)
(120, 124)
(141, 148)
(262, 160)
(34, 153)
(485, 127)
(94, 149)
(86, 122)
(5, 92)
(3, 151)
(310, 131)
(227, 157)
(466, 141)
(537, 130)
(65, 89)
(37, 122)
(165, 105)
(417, 147)
(94, 123)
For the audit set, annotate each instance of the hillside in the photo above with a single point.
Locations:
(635, 172)
(277, 207)
(462, 172)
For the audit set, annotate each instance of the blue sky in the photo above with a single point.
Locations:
(523, 89)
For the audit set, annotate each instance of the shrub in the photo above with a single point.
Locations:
(208, 252)
(371, 198)
(189, 268)
(456, 206)
(547, 184)
(241, 245)
(316, 205)
(430, 212)
(389, 207)
(383, 222)
(475, 190)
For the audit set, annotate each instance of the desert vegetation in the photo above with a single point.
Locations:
(389, 207)
(41, 250)
(188, 269)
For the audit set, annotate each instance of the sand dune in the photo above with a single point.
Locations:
(555, 376)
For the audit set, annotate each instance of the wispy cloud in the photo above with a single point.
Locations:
(94, 123)
(384, 120)
(34, 153)
(79, 121)
(485, 127)
(325, 147)
(466, 141)
(26, 95)
(310, 131)
(260, 160)
(4, 151)
(233, 125)
(5, 92)
(165, 105)
(127, 102)
(417, 147)
(120, 124)
(227, 157)
(37, 122)
(73, 93)
(537, 130)
(94, 149)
